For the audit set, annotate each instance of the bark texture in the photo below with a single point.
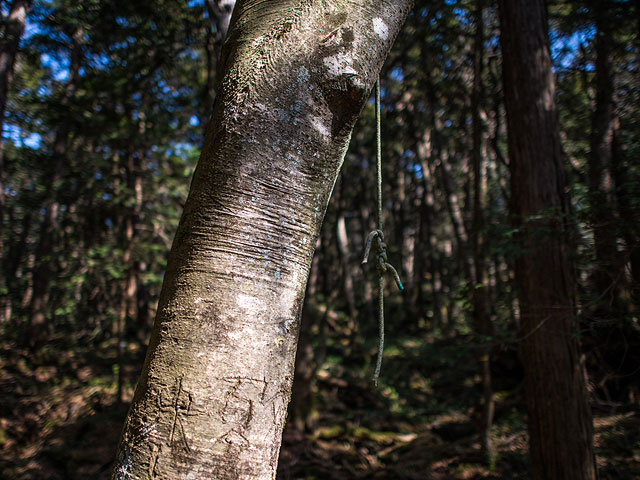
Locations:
(560, 426)
(213, 394)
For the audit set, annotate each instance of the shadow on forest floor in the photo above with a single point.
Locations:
(59, 419)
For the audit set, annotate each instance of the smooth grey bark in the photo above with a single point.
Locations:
(214, 390)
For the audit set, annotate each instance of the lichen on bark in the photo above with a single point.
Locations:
(213, 394)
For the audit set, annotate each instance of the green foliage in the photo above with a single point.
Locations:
(85, 138)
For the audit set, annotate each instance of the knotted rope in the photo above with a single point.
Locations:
(382, 265)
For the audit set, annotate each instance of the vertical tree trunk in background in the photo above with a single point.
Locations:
(347, 271)
(219, 12)
(469, 241)
(301, 406)
(213, 394)
(559, 418)
(13, 30)
(628, 217)
(133, 170)
(44, 261)
(347, 277)
(624, 188)
(607, 274)
(480, 281)
(427, 218)
(614, 337)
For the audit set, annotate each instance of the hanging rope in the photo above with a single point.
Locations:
(382, 265)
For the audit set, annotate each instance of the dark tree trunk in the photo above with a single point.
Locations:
(44, 262)
(628, 217)
(216, 382)
(301, 406)
(9, 44)
(219, 12)
(427, 220)
(559, 418)
(612, 214)
(480, 281)
(129, 233)
(347, 276)
(607, 274)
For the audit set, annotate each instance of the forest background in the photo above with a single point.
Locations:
(102, 123)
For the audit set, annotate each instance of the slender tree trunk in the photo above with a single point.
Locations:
(480, 280)
(629, 218)
(421, 254)
(213, 394)
(9, 44)
(424, 150)
(559, 418)
(624, 188)
(219, 12)
(347, 277)
(43, 266)
(615, 338)
(13, 30)
(15, 258)
(469, 242)
(301, 406)
(128, 310)
(607, 274)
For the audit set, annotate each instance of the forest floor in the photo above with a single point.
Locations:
(60, 419)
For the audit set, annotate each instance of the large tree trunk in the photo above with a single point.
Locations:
(560, 426)
(213, 394)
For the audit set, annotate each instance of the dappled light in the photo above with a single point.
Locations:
(224, 315)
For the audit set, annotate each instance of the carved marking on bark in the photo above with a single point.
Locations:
(153, 463)
(229, 313)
